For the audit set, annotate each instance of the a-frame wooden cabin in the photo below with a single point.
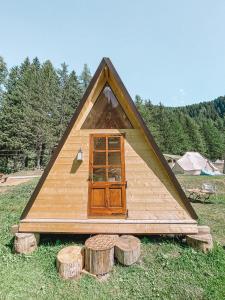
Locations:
(107, 174)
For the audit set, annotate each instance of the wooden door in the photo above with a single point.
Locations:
(107, 194)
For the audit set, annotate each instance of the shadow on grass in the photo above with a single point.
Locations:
(54, 240)
(10, 245)
(163, 239)
(61, 239)
(69, 239)
(200, 201)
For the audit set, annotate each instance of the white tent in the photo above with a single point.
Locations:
(192, 163)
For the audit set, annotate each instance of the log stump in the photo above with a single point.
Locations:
(70, 262)
(201, 242)
(26, 242)
(127, 249)
(99, 254)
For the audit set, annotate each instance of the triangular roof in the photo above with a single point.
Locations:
(107, 70)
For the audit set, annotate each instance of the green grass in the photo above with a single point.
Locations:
(168, 269)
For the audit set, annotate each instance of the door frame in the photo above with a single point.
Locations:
(120, 213)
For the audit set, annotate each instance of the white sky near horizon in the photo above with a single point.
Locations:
(166, 51)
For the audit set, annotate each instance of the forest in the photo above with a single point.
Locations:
(37, 101)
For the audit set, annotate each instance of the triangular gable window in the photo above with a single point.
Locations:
(107, 113)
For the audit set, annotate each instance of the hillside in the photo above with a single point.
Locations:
(211, 109)
(198, 127)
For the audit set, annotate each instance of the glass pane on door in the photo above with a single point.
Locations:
(114, 174)
(99, 174)
(100, 143)
(114, 158)
(99, 158)
(114, 143)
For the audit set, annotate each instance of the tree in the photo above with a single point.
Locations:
(213, 139)
(42, 110)
(70, 95)
(12, 125)
(85, 77)
(3, 71)
(194, 139)
(3, 76)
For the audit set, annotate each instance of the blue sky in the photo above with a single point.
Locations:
(169, 51)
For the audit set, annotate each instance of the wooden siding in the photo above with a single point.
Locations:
(149, 193)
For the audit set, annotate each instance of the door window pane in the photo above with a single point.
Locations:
(99, 174)
(100, 143)
(114, 158)
(114, 143)
(99, 158)
(114, 174)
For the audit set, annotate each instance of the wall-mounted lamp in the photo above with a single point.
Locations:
(80, 155)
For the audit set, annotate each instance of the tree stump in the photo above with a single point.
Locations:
(202, 242)
(26, 242)
(70, 262)
(99, 253)
(127, 249)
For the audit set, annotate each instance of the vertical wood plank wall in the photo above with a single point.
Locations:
(149, 193)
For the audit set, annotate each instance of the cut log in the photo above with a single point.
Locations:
(202, 242)
(26, 242)
(99, 253)
(127, 249)
(70, 262)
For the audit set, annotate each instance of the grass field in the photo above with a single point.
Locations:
(168, 269)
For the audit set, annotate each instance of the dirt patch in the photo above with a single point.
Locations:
(12, 181)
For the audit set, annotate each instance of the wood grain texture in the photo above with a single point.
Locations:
(117, 228)
(99, 254)
(70, 261)
(25, 243)
(149, 193)
(127, 249)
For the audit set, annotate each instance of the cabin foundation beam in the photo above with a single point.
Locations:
(14, 229)
(116, 227)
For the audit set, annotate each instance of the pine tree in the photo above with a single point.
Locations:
(85, 77)
(194, 140)
(42, 110)
(213, 139)
(12, 125)
(3, 75)
(70, 95)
